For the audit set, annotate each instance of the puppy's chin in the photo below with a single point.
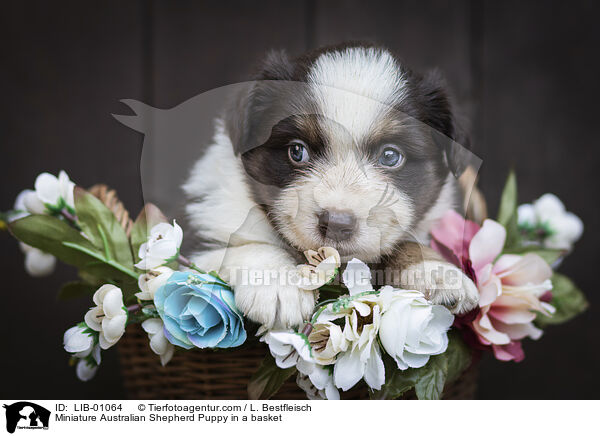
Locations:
(363, 250)
(376, 234)
(368, 246)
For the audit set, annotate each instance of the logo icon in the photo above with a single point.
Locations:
(26, 415)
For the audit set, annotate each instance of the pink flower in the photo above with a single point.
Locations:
(512, 288)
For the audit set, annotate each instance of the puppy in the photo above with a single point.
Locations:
(342, 147)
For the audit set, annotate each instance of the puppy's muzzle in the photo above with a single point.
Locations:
(338, 225)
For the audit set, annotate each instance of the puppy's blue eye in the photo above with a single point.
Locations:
(391, 157)
(298, 151)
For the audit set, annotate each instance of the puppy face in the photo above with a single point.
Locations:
(340, 149)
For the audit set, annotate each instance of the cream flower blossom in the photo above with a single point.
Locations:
(564, 228)
(323, 265)
(79, 341)
(151, 281)
(327, 341)
(19, 208)
(158, 341)
(363, 358)
(51, 192)
(291, 348)
(162, 246)
(109, 316)
(360, 314)
(37, 262)
(86, 370)
(318, 384)
(288, 347)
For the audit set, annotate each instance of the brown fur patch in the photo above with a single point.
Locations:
(407, 254)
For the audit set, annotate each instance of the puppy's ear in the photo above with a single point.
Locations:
(244, 112)
(276, 66)
(438, 112)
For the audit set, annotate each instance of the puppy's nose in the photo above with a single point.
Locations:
(337, 224)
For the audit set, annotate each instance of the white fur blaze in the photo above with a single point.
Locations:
(354, 87)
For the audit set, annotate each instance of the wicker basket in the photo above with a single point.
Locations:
(222, 375)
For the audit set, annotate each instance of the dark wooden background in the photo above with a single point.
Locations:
(526, 75)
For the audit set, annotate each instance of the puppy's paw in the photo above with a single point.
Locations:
(282, 306)
(442, 283)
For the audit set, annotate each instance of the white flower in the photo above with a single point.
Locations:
(37, 263)
(322, 267)
(412, 329)
(162, 246)
(78, 342)
(547, 207)
(304, 383)
(19, 209)
(151, 281)
(50, 192)
(88, 366)
(566, 230)
(408, 326)
(526, 215)
(85, 370)
(324, 391)
(549, 213)
(288, 347)
(316, 380)
(158, 341)
(109, 317)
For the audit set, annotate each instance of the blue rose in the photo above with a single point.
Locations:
(198, 310)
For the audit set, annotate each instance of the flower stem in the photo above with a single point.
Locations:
(184, 261)
(134, 308)
(307, 329)
(68, 215)
(189, 264)
(95, 255)
(333, 288)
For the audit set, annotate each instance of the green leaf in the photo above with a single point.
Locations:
(101, 226)
(432, 377)
(72, 290)
(443, 368)
(101, 259)
(148, 218)
(507, 212)
(568, 300)
(268, 379)
(508, 201)
(429, 380)
(548, 254)
(398, 382)
(458, 355)
(90, 279)
(56, 237)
